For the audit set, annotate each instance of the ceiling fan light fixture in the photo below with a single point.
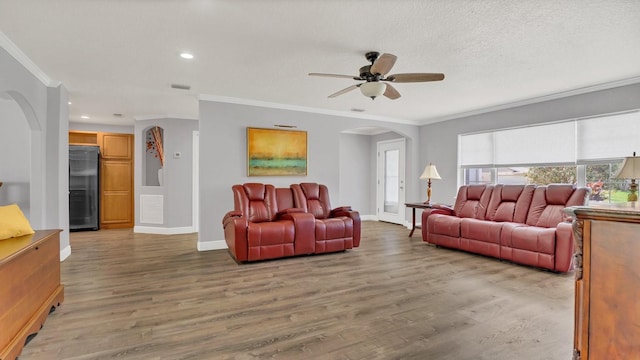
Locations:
(373, 89)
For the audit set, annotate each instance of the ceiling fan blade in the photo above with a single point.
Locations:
(391, 92)
(345, 90)
(383, 64)
(415, 77)
(335, 76)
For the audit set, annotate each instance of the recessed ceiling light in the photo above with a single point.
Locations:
(186, 55)
(69, 103)
(84, 117)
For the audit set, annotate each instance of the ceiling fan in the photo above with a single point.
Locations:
(376, 82)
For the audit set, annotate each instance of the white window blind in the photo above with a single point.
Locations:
(543, 144)
(476, 150)
(608, 137)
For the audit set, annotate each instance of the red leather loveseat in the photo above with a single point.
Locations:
(520, 223)
(269, 222)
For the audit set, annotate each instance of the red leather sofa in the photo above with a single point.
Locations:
(269, 222)
(523, 224)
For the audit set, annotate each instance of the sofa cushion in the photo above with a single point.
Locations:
(482, 230)
(548, 203)
(472, 201)
(314, 198)
(444, 225)
(269, 240)
(529, 245)
(510, 203)
(256, 201)
(284, 199)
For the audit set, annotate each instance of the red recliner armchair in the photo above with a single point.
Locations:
(257, 229)
(335, 229)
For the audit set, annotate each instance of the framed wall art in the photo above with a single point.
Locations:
(275, 152)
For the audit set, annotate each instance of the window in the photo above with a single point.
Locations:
(603, 187)
(585, 152)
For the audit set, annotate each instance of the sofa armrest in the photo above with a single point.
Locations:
(564, 247)
(341, 209)
(281, 214)
(355, 216)
(235, 235)
(435, 209)
(304, 240)
(447, 210)
(230, 215)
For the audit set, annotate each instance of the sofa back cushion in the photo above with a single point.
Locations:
(284, 199)
(472, 201)
(510, 203)
(313, 198)
(256, 201)
(549, 201)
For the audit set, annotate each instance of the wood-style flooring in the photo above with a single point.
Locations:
(140, 296)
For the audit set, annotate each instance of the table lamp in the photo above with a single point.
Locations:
(630, 170)
(430, 172)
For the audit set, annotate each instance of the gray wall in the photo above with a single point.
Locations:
(355, 164)
(439, 141)
(223, 160)
(44, 107)
(15, 139)
(178, 173)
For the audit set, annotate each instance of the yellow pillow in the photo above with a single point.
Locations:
(13, 223)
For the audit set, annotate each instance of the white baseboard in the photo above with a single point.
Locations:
(64, 253)
(368, 218)
(163, 230)
(212, 245)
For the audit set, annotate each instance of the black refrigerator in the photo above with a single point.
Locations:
(84, 193)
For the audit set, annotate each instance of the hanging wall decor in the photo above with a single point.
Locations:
(273, 152)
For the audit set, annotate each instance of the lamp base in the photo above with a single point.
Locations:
(633, 191)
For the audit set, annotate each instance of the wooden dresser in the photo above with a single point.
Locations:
(607, 288)
(29, 287)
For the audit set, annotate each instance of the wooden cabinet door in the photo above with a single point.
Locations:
(116, 146)
(117, 194)
(116, 209)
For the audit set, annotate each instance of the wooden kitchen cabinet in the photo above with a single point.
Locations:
(607, 286)
(116, 175)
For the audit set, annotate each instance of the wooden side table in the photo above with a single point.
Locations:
(413, 207)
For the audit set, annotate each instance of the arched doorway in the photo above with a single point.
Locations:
(15, 139)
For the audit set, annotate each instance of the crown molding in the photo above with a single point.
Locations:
(163, 116)
(24, 60)
(535, 100)
(266, 104)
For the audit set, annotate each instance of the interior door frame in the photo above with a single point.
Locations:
(196, 182)
(401, 145)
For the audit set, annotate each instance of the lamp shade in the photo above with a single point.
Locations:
(430, 172)
(373, 89)
(630, 168)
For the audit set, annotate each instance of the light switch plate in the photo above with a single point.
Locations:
(177, 155)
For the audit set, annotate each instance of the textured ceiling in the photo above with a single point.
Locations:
(122, 56)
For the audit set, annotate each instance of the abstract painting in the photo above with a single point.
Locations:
(273, 152)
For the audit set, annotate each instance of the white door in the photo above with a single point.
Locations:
(391, 186)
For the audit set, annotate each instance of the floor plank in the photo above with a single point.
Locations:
(141, 296)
